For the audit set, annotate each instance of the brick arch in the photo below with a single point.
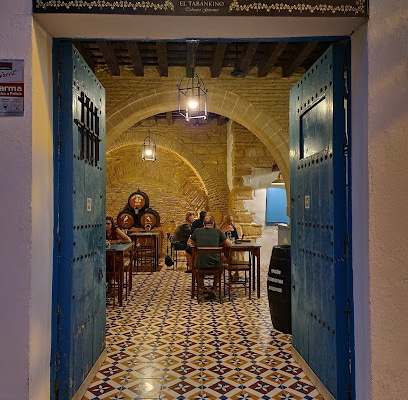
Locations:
(195, 164)
(220, 101)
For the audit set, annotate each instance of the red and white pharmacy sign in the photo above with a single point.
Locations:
(11, 88)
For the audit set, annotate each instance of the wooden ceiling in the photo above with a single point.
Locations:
(238, 57)
(242, 56)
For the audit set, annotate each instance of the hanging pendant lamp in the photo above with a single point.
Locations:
(149, 148)
(192, 93)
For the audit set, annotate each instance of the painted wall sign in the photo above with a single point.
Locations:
(335, 8)
(11, 88)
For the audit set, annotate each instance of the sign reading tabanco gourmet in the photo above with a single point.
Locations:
(335, 8)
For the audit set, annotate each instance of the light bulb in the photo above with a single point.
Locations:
(192, 104)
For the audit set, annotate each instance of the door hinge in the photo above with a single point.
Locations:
(347, 309)
(56, 389)
(345, 242)
(349, 391)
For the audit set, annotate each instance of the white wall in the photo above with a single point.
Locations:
(388, 196)
(15, 212)
(42, 215)
(26, 213)
(359, 162)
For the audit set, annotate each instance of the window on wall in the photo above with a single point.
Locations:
(276, 206)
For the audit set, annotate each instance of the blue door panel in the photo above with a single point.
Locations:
(319, 218)
(79, 290)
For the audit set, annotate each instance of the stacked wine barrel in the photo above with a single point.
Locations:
(137, 213)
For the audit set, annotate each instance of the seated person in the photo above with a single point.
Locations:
(182, 233)
(227, 226)
(209, 236)
(114, 234)
(199, 222)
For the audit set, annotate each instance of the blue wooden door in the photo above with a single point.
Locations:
(79, 266)
(320, 220)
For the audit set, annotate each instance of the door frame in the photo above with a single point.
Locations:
(163, 36)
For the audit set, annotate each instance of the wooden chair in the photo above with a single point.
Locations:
(146, 254)
(128, 263)
(207, 274)
(112, 276)
(237, 271)
(177, 255)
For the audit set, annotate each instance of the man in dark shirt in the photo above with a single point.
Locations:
(182, 233)
(209, 236)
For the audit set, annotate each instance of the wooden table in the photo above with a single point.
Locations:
(155, 236)
(120, 249)
(254, 251)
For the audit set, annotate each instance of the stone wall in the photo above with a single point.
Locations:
(188, 155)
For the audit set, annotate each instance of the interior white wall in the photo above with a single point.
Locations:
(16, 211)
(42, 216)
(387, 49)
(359, 242)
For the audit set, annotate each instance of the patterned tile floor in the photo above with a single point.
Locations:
(164, 345)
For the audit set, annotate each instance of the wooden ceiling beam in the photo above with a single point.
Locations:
(246, 60)
(86, 54)
(161, 48)
(169, 117)
(274, 50)
(221, 120)
(191, 57)
(135, 58)
(296, 61)
(218, 58)
(110, 58)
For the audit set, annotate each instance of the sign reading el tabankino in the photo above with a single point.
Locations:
(335, 8)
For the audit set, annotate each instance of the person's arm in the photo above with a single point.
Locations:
(227, 228)
(225, 242)
(122, 236)
(192, 240)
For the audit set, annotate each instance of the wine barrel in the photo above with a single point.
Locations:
(138, 201)
(126, 220)
(279, 288)
(150, 218)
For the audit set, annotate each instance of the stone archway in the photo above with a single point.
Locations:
(145, 104)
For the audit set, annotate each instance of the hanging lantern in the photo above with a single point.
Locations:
(149, 148)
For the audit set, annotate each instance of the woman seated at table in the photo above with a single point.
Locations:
(227, 226)
(115, 234)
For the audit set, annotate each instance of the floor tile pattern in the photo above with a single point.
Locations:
(164, 345)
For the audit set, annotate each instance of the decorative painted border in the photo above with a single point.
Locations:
(100, 6)
(357, 8)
